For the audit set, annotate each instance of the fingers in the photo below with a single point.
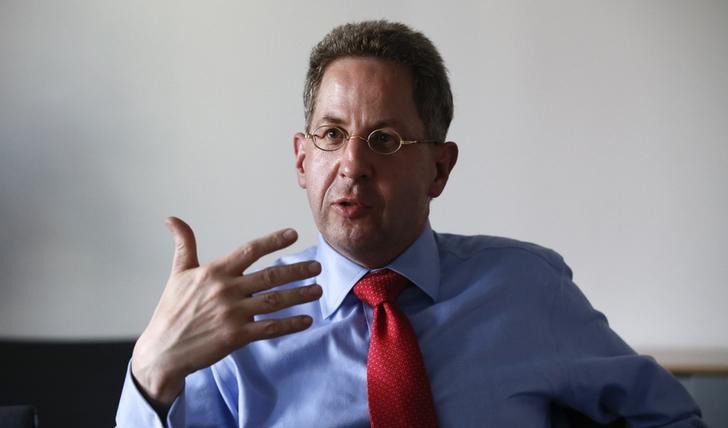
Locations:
(239, 333)
(274, 276)
(185, 247)
(240, 259)
(270, 328)
(277, 300)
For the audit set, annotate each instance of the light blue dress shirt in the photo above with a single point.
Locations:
(504, 332)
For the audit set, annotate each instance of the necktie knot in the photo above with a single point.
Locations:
(378, 287)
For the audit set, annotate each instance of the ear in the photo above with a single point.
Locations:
(299, 151)
(446, 155)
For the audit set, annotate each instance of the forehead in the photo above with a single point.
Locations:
(372, 67)
(360, 90)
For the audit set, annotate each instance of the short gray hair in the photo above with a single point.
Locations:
(395, 42)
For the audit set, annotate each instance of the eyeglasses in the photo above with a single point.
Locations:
(383, 141)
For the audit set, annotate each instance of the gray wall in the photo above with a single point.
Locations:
(598, 129)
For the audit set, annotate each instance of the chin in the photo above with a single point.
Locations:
(354, 240)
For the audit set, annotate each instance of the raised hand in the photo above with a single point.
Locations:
(206, 312)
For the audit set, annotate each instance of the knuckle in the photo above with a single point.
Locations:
(271, 328)
(250, 250)
(227, 316)
(302, 269)
(270, 276)
(231, 337)
(217, 290)
(214, 287)
(272, 300)
(206, 274)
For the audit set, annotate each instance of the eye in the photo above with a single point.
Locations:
(384, 141)
(328, 137)
(329, 133)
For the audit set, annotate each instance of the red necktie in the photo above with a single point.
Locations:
(397, 386)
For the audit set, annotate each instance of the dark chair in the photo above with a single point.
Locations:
(68, 383)
(18, 417)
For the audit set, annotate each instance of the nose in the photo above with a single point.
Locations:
(356, 159)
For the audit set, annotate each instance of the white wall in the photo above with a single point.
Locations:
(599, 129)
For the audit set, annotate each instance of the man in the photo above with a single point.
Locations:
(495, 331)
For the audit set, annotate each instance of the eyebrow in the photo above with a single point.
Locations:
(333, 120)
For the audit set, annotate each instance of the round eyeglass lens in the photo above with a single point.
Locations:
(328, 137)
(383, 141)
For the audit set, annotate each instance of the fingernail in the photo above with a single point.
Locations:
(289, 234)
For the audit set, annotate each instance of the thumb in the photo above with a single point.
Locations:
(185, 247)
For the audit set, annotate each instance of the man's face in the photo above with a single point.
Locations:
(370, 207)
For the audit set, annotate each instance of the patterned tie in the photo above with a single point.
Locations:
(397, 386)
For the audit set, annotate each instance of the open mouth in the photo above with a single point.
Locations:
(350, 208)
(349, 202)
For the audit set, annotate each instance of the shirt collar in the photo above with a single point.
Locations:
(420, 263)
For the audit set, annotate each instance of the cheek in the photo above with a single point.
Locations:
(319, 176)
(414, 178)
(405, 192)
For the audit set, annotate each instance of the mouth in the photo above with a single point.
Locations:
(350, 208)
(347, 202)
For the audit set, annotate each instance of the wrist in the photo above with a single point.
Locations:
(159, 382)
